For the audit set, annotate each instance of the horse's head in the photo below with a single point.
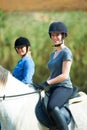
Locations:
(3, 75)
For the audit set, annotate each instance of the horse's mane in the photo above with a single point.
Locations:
(3, 75)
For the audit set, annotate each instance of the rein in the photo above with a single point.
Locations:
(4, 97)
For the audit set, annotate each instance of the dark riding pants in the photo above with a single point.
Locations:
(58, 97)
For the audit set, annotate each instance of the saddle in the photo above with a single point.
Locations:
(44, 117)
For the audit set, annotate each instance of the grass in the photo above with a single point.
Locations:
(34, 25)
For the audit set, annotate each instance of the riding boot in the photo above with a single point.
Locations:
(59, 119)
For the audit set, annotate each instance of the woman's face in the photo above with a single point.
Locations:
(21, 50)
(56, 37)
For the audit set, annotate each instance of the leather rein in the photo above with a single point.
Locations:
(11, 96)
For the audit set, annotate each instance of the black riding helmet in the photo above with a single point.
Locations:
(58, 27)
(21, 41)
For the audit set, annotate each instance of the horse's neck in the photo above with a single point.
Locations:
(14, 86)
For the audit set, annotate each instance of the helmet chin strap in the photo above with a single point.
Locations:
(57, 45)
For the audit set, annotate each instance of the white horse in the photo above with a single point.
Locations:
(18, 102)
(17, 113)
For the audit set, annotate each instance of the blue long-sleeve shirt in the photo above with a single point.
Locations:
(24, 70)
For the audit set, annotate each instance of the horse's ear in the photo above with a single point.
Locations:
(3, 75)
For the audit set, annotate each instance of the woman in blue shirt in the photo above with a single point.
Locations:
(59, 80)
(25, 68)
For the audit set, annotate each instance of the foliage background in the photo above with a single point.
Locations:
(34, 25)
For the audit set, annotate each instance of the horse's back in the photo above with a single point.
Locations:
(79, 112)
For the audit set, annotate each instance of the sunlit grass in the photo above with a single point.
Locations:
(46, 5)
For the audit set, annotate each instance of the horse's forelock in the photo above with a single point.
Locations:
(3, 75)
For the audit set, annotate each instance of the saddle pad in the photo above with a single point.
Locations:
(79, 112)
(82, 97)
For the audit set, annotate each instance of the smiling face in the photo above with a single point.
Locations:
(22, 50)
(56, 38)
